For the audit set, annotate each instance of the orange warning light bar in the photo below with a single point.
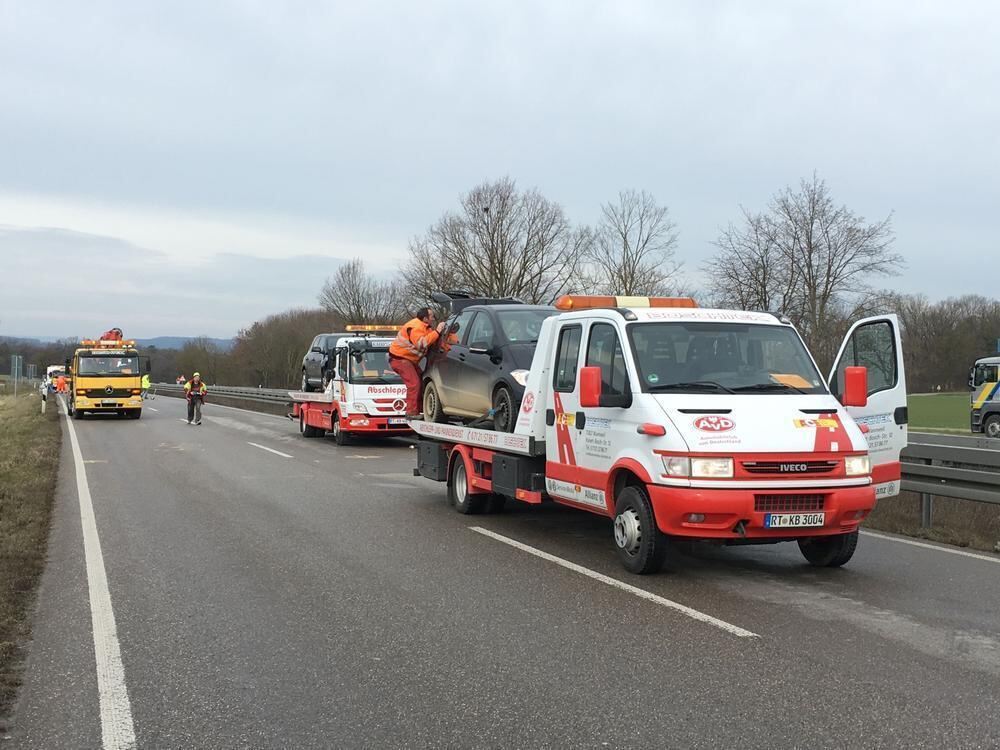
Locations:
(588, 302)
(371, 327)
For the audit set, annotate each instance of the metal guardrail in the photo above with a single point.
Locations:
(258, 395)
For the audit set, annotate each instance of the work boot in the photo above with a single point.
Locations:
(197, 422)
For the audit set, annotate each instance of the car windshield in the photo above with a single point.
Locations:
(523, 326)
(722, 358)
(90, 365)
(372, 367)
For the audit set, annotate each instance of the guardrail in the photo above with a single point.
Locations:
(259, 395)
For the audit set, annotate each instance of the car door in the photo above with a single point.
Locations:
(312, 360)
(561, 448)
(476, 366)
(875, 343)
(446, 358)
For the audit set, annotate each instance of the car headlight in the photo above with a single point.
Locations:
(520, 376)
(677, 466)
(857, 466)
(712, 468)
(360, 408)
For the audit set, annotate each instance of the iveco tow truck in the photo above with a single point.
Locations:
(684, 423)
(106, 377)
(364, 397)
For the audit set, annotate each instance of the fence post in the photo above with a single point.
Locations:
(926, 510)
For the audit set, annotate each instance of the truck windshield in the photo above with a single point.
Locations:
(372, 367)
(108, 366)
(722, 358)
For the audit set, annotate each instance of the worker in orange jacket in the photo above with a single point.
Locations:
(411, 345)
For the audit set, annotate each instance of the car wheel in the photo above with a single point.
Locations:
(305, 382)
(433, 409)
(503, 410)
(641, 545)
(458, 490)
(992, 426)
(829, 551)
(327, 377)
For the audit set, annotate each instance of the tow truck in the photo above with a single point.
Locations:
(106, 377)
(678, 422)
(984, 383)
(365, 397)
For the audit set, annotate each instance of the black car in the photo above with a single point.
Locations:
(481, 362)
(319, 362)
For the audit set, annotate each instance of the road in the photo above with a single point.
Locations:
(265, 590)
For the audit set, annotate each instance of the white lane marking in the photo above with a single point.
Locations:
(925, 545)
(642, 593)
(117, 729)
(151, 408)
(269, 450)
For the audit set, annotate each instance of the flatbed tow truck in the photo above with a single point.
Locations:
(365, 397)
(684, 423)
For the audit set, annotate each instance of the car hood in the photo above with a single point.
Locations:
(520, 355)
(762, 423)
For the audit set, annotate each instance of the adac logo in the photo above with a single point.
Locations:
(712, 423)
(398, 404)
(529, 402)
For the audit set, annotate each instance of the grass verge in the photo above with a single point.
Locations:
(959, 522)
(947, 412)
(29, 462)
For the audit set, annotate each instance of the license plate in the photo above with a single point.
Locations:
(109, 403)
(793, 520)
(397, 420)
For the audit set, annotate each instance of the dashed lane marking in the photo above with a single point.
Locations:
(269, 450)
(621, 585)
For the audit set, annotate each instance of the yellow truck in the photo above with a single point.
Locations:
(106, 376)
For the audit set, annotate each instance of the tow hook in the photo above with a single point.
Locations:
(741, 529)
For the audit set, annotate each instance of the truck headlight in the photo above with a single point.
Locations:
(712, 468)
(677, 466)
(857, 466)
(360, 408)
(520, 376)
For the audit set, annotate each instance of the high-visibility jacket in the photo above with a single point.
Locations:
(195, 389)
(413, 340)
(61, 384)
(145, 382)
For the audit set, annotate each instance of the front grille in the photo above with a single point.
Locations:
(101, 393)
(789, 467)
(788, 503)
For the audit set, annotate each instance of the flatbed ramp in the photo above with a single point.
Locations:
(522, 445)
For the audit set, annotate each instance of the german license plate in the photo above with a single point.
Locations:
(397, 420)
(793, 520)
(109, 403)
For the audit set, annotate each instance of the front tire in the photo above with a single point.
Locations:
(134, 413)
(339, 436)
(504, 414)
(640, 544)
(305, 382)
(829, 551)
(433, 410)
(991, 427)
(77, 414)
(458, 490)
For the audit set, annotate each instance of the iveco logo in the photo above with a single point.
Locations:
(109, 390)
(788, 468)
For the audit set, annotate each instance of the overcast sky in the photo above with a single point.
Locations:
(185, 168)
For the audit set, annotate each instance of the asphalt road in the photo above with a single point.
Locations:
(328, 598)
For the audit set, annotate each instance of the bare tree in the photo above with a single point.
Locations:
(356, 296)
(805, 257)
(632, 252)
(501, 242)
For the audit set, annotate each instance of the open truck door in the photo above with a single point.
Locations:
(875, 344)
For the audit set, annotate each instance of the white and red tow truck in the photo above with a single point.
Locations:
(681, 422)
(365, 397)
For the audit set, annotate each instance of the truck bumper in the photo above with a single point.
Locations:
(723, 510)
(368, 425)
(93, 404)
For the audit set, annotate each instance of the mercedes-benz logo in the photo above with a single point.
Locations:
(109, 390)
(398, 404)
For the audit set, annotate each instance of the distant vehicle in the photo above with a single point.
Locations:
(481, 362)
(107, 377)
(984, 382)
(318, 363)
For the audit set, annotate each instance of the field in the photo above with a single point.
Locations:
(29, 459)
(939, 412)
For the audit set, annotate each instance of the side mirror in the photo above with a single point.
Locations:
(855, 386)
(147, 365)
(68, 366)
(590, 387)
(972, 379)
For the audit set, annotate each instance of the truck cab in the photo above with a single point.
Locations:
(681, 422)
(106, 377)
(984, 383)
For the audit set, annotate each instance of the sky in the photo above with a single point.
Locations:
(187, 168)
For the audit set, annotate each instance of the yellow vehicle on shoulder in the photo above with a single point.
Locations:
(106, 377)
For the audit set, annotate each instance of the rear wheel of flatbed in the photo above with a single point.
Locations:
(829, 551)
(308, 430)
(640, 544)
(458, 490)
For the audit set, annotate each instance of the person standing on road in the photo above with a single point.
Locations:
(61, 384)
(410, 346)
(195, 391)
(145, 385)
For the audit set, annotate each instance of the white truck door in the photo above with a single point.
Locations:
(875, 343)
(562, 478)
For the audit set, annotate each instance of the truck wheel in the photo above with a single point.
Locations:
(504, 415)
(308, 430)
(992, 426)
(339, 436)
(495, 503)
(134, 413)
(77, 414)
(458, 490)
(829, 551)
(305, 383)
(641, 545)
(433, 411)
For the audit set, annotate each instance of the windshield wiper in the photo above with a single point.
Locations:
(693, 384)
(762, 387)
